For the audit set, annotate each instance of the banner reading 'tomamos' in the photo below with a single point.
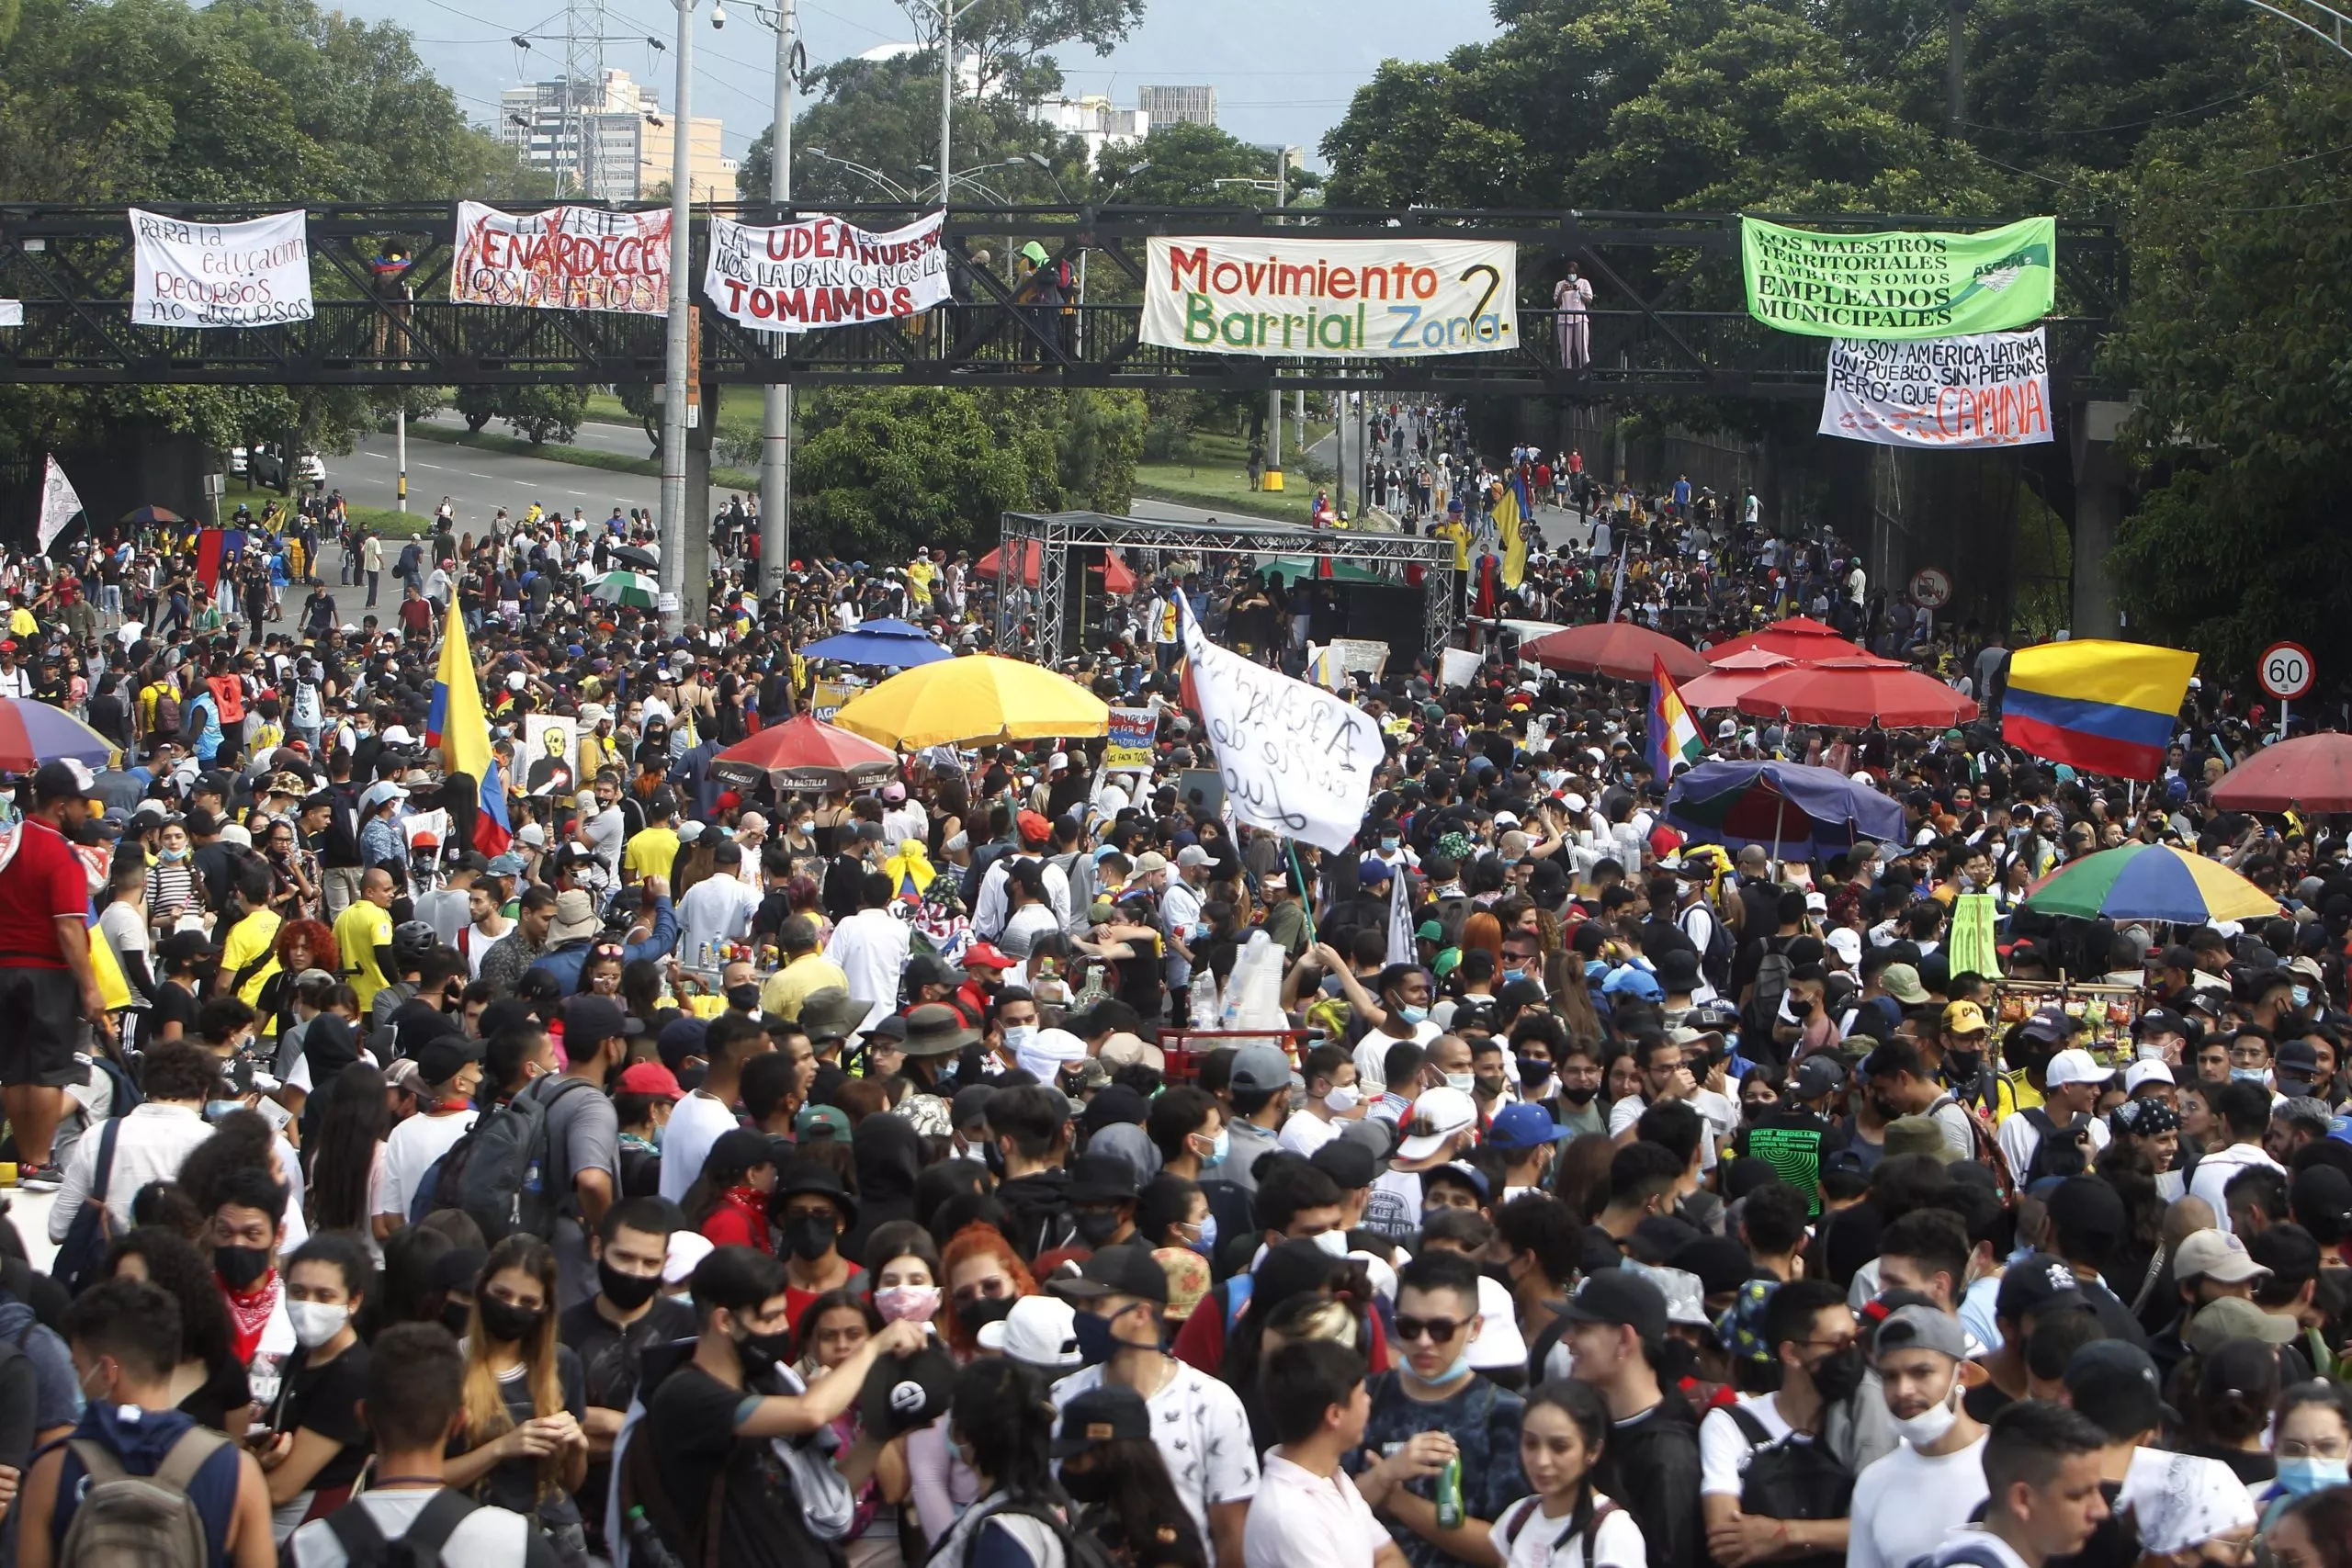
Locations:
(1900, 285)
(822, 272)
(566, 258)
(1318, 299)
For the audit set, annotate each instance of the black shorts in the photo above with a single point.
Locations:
(46, 1028)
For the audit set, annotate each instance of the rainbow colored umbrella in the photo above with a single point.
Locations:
(2150, 882)
(33, 732)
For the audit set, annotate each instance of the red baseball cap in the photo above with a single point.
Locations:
(653, 1078)
(980, 955)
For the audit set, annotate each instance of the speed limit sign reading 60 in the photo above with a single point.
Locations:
(2286, 671)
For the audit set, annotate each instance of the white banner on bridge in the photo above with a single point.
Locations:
(1295, 760)
(822, 272)
(1318, 298)
(220, 274)
(1944, 393)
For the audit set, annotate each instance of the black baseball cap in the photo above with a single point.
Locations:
(1617, 1296)
(589, 1019)
(1101, 1179)
(1349, 1164)
(1101, 1415)
(2114, 1384)
(2037, 1283)
(1129, 1270)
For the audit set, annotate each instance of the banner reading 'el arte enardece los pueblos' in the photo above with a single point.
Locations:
(1901, 283)
(186, 273)
(1320, 299)
(565, 258)
(822, 272)
(1985, 389)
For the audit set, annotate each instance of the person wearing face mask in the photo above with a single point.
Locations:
(1101, 1207)
(318, 1440)
(612, 1331)
(522, 1447)
(1434, 1410)
(1530, 1141)
(1332, 1097)
(1261, 1096)
(2312, 1442)
(812, 1211)
(1198, 1421)
(1935, 1480)
(244, 1225)
(1767, 1450)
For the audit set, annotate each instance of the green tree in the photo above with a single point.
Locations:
(478, 405)
(543, 413)
(876, 472)
(1187, 160)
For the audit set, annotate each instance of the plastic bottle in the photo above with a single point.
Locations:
(646, 1547)
(1449, 1495)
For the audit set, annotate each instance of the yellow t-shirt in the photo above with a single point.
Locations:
(920, 576)
(790, 985)
(651, 852)
(250, 943)
(359, 930)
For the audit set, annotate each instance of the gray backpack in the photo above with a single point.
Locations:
(141, 1521)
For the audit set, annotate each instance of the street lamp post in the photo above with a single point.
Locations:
(776, 423)
(889, 186)
(675, 368)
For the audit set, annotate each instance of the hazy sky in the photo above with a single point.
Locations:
(1284, 70)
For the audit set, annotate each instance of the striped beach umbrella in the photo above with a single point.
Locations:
(2150, 882)
(32, 732)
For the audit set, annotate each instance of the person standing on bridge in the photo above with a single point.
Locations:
(1571, 302)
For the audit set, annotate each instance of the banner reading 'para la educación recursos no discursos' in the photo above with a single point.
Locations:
(1902, 284)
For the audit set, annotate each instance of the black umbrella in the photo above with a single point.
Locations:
(630, 555)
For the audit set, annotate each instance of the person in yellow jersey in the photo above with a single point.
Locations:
(363, 935)
(653, 849)
(249, 951)
(921, 572)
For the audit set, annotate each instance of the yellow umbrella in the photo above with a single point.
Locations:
(971, 701)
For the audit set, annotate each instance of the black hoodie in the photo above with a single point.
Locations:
(888, 1155)
(1650, 1468)
(1038, 1211)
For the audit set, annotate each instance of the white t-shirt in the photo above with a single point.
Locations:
(1203, 1433)
(1907, 1503)
(1305, 1133)
(1538, 1541)
(409, 1152)
(1713, 1109)
(487, 1537)
(696, 1122)
(1372, 1054)
(1300, 1519)
(2019, 1138)
(1725, 1448)
(2216, 1170)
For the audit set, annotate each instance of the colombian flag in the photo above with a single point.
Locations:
(2106, 707)
(1512, 514)
(453, 723)
(1673, 733)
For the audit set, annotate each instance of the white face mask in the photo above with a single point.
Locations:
(1928, 1428)
(1465, 1082)
(1018, 1035)
(1344, 1099)
(1335, 1243)
(315, 1323)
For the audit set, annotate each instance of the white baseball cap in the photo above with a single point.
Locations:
(2075, 1064)
(1438, 1115)
(1040, 1330)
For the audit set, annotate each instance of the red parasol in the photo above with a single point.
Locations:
(806, 753)
(1799, 637)
(1857, 691)
(1733, 678)
(2310, 773)
(1617, 648)
(1116, 578)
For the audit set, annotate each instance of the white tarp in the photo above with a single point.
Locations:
(1318, 299)
(220, 274)
(822, 272)
(1295, 760)
(1947, 393)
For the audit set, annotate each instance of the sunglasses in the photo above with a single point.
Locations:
(1436, 1330)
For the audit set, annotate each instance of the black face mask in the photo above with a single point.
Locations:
(1096, 1227)
(979, 1312)
(627, 1291)
(1580, 1094)
(760, 1351)
(1086, 1485)
(456, 1317)
(1964, 1066)
(810, 1236)
(1837, 1375)
(505, 1322)
(239, 1266)
(1533, 1075)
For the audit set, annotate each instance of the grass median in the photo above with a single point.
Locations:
(581, 456)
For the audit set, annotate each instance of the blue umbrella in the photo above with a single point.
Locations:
(1798, 813)
(891, 645)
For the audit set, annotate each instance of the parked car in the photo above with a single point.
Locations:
(266, 464)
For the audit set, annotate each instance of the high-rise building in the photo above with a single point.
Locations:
(1096, 120)
(1170, 105)
(609, 140)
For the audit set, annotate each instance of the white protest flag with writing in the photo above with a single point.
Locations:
(59, 504)
(220, 274)
(1985, 389)
(822, 272)
(1400, 921)
(12, 312)
(1296, 760)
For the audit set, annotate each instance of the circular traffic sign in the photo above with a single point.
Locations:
(1931, 587)
(2286, 671)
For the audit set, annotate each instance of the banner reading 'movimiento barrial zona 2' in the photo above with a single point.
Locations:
(1900, 285)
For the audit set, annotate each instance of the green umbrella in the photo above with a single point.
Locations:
(630, 588)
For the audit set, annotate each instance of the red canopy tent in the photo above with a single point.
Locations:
(1616, 649)
(1857, 691)
(1799, 637)
(1116, 578)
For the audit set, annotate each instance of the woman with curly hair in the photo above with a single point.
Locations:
(301, 945)
(983, 1277)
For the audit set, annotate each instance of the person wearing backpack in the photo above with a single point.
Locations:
(2059, 1136)
(1566, 1524)
(449, 1073)
(1768, 1488)
(415, 1400)
(139, 1481)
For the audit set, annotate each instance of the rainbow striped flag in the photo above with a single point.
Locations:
(2106, 707)
(1673, 733)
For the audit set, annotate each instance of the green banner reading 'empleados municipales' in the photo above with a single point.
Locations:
(1900, 285)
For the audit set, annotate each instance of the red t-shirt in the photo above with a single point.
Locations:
(41, 884)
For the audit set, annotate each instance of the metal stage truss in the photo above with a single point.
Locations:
(1052, 535)
(1666, 321)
